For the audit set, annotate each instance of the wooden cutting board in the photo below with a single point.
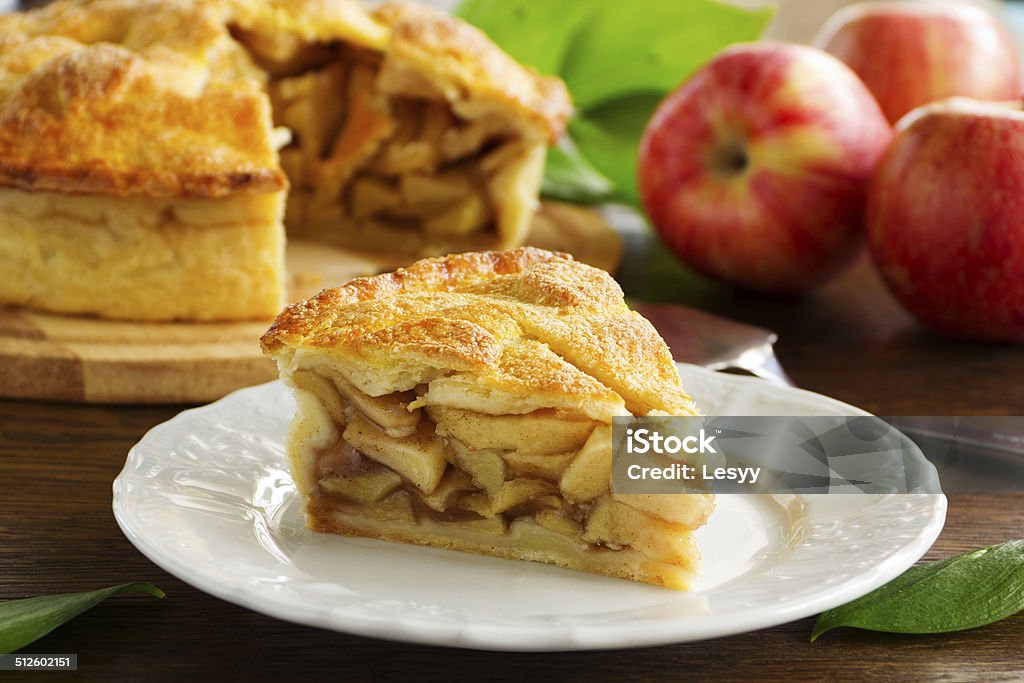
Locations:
(70, 358)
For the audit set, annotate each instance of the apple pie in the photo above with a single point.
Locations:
(466, 402)
(148, 147)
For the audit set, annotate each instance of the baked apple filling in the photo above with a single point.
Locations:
(381, 154)
(404, 468)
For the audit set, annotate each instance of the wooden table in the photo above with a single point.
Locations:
(849, 340)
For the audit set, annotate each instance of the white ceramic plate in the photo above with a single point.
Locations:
(207, 496)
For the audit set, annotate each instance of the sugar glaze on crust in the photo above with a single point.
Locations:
(159, 98)
(475, 312)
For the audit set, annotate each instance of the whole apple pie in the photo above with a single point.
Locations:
(147, 147)
(466, 402)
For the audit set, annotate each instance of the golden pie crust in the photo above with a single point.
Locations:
(466, 402)
(124, 121)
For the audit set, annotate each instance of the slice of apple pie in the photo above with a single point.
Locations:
(466, 402)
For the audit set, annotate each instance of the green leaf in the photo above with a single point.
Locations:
(611, 134)
(651, 46)
(24, 621)
(954, 594)
(570, 177)
(619, 60)
(535, 32)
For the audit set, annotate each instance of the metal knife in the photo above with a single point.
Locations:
(715, 342)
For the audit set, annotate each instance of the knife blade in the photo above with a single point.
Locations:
(701, 338)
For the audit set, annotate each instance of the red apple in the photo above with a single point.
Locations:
(909, 54)
(754, 170)
(945, 218)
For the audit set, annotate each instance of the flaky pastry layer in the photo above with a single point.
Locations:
(177, 258)
(163, 97)
(526, 321)
(525, 540)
